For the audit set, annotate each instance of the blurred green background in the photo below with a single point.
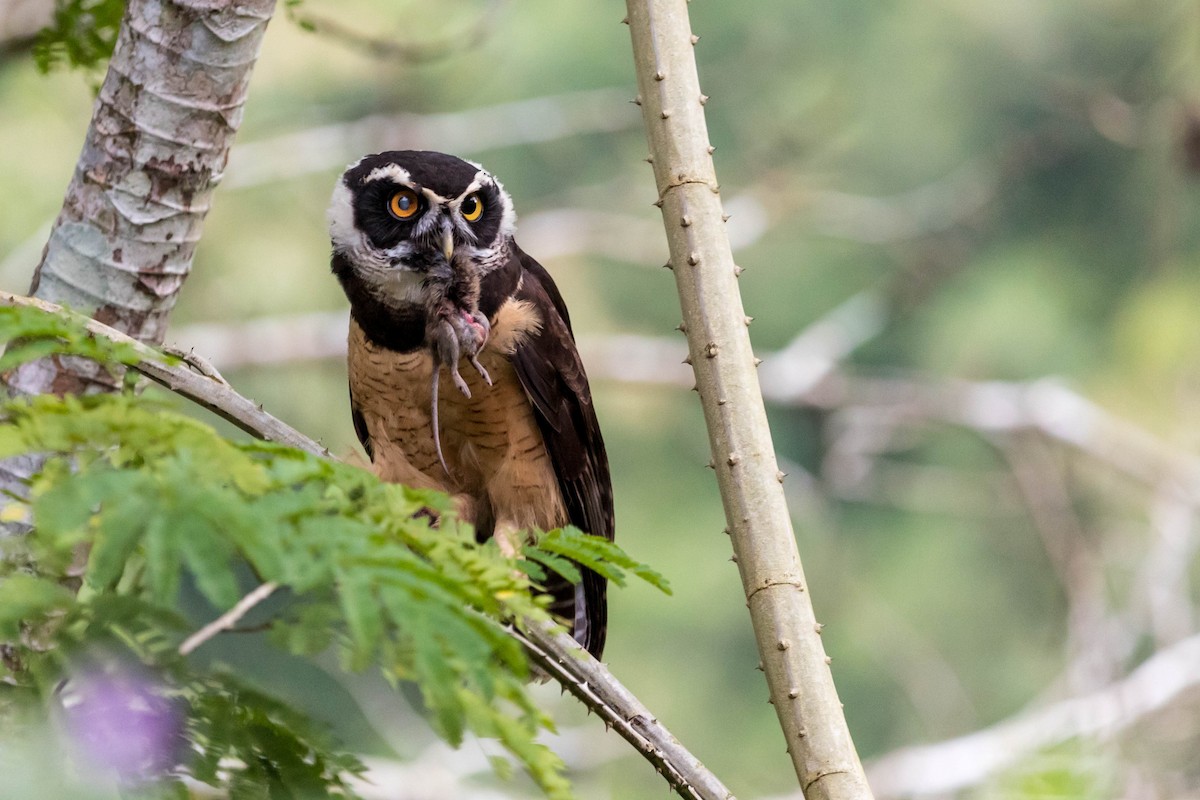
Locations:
(1012, 188)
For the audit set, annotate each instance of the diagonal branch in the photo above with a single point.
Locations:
(229, 618)
(215, 395)
(556, 654)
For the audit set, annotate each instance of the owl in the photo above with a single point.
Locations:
(464, 374)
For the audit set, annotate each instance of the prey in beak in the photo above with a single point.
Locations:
(455, 329)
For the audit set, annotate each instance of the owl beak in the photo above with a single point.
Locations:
(448, 245)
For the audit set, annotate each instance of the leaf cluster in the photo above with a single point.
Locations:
(81, 35)
(136, 501)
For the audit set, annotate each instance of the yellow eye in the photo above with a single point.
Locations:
(472, 208)
(403, 204)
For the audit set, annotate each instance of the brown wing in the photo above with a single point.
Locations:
(551, 372)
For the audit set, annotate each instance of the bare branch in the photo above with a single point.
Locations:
(591, 682)
(215, 395)
(229, 618)
(786, 631)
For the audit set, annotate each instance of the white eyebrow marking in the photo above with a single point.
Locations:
(481, 178)
(434, 198)
(395, 172)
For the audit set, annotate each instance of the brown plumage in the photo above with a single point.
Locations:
(514, 437)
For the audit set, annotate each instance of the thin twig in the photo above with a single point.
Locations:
(395, 50)
(228, 619)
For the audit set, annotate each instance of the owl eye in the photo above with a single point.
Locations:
(403, 204)
(472, 208)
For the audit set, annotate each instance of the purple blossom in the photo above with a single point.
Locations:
(124, 722)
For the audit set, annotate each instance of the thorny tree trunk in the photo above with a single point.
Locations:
(159, 138)
(797, 671)
(158, 142)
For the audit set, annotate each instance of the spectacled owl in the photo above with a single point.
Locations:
(464, 374)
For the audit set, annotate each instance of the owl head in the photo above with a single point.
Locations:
(407, 224)
(414, 235)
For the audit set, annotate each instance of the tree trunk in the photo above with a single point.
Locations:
(161, 130)
(158, 142)
(789, 643)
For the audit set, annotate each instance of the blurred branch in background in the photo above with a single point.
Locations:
(20, 21)
(956, 764)
(393, 50)
(330, 147)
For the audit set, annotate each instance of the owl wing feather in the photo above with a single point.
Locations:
(551, 372)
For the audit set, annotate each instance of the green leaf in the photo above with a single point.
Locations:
(119, 530)
(362, 613)
(25, 597)
(560, 565)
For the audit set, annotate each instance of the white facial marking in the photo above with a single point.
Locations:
(393, 172)
(342, 231)
(435, 199)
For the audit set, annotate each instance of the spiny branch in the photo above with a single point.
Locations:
(715, 323)
(556, 654)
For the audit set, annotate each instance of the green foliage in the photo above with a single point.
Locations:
(32, 333)
(154, 500)
(81, 35)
